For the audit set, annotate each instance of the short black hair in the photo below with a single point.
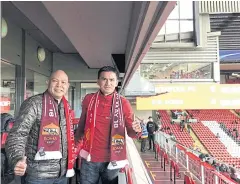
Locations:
(107, 69)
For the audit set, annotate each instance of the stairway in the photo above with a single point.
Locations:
(153, 167)
(235, 113)
(198, 142)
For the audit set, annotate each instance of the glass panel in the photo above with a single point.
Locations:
(186, 10)
(35, 83)
(162, 31)
(172, 26)
(182, 12)
(88, 88)
(8, 92)
(176, 71)
(186, 26)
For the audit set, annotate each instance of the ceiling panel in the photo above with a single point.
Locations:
(43, 21)
(43, 40)
(96, 29)
(10, 12)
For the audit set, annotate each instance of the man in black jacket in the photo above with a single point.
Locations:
(23, 139)
(152, 127)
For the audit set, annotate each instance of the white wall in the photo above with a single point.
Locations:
(75, 67)
(141, 114)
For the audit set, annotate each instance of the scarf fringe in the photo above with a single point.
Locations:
(49, 155)
(119, 164)
(70, 173)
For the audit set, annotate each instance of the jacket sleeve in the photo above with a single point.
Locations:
(148, 126)
(81, 124)
(18, 135)
(156, 127)
(129, 118)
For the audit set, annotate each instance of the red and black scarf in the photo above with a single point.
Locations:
(118, 141)
(49, 135)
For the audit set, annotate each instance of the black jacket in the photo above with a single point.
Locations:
(152, 127)
(23, 140)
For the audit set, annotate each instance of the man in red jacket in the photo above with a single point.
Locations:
(105, 117)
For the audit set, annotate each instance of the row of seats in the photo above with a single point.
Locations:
(237, 111)
(213, 144)
(223, 115)
(215, 147)
(182, 137)
(232, 147)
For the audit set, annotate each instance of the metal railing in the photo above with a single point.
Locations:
(173, 153)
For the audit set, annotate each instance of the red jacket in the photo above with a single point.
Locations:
(102, 135)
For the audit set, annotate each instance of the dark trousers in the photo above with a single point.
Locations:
(143, 144)
(181, 128)
(151, 141)
(182, 125)
(93, 172)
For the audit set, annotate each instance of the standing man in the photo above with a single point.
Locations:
(144, 135)
(189, 127)
(182, 123)
(152, 127)
(105, 116)
(41, 142)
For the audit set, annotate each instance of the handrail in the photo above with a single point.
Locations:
(183, 147)
(174, 166)
(201, 171)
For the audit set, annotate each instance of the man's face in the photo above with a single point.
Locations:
(58, 85)
(150, 119)
(107, 82)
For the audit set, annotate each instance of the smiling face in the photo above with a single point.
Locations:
(58, 84)
(107, 82)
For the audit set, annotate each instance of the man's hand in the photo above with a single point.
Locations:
(21, 167)
(136, 126)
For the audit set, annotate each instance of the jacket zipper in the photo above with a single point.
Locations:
(60, 161)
